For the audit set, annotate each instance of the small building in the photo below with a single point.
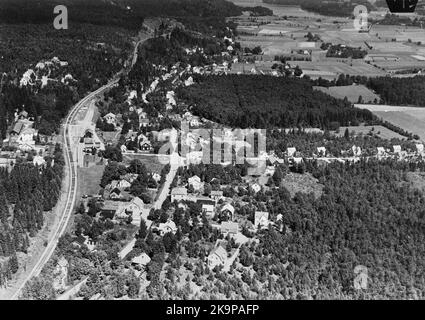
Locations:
(321, 151)
(229, 210)
(270, 170)
(141, 260)
(110, 118)
(420, 148)
(381, 151)
(217, 257)
(357, 151)
(256, 187)
(397, 149)
(178, 194)
(144, 123)
(291, 152)
(156, 176)
(216, 195)
(195, 182)
(145, 146)
(39, 161)
(261, 219)
(229, 227)
(167, 227)
(208, 209)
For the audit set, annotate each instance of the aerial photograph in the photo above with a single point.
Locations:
(212, 150)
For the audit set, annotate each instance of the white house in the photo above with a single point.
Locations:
(256, 187)
(381, 151)
(270, 170)
(217, 257)
(39, 161)
(169, 226)
(110, 118)
(321, 151)
(291, 151)
(397, 149)
(178, 194)
(134, 208)
(208, 209)
(216, 195)
(195, 182)
(229, 209)
(420, 148)
(261, 219)
(141, 260)
(357, 151)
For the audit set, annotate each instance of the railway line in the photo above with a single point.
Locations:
(71, 167)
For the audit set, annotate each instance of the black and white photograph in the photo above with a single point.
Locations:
(225, 152)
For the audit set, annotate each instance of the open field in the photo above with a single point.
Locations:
(304, 183)
(149, 160)
(411, 119)
(351, 92)
(380, 131)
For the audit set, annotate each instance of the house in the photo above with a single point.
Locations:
(228, 209)
(123, 184)
(195, 182)
(261, 219)
(145, 145)
(157, 177)
(135, 207)
(130, 177)
(229, 227)
(178, 194)
(167, 227)
(115, 194)
(217, 257)
(144, 123)
(39, 161)
(420, 149)
(256, 187)
(17, 128)
(291, 152)
(216, 195)
(110, 118)
(208, 209)
(321, 151)
(270, 170)
(397, 149)
(381, 151)
(357, 151)
(141, 260)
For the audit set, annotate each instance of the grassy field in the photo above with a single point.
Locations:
(382, 132)
(411, 119)
(304, 183)
(351, 92)
(149, 160)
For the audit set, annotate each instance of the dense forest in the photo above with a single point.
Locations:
(26, 193)
(395, 91)
(266, 102)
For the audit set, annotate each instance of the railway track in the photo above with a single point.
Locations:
(71, 166)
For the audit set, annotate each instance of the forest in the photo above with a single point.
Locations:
(26, 194)
(392, 90)
(268, 102)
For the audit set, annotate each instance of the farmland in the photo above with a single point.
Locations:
(352, 93)
(380, 131)
(411, 119)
